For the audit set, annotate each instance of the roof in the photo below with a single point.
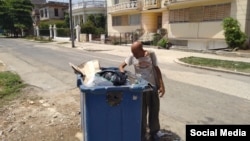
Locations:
(53, 3)
(38, 1)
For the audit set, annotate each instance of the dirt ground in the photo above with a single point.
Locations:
(34, 117)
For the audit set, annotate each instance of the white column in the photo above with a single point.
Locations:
(22, 32)
(78, 31)
(55, 32)
(74, 20)
(50, 31)
(37, 31)
(103, 38)
(90, 37)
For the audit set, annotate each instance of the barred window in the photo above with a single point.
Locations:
(120, 20)
(134, 19)
(201, 13)
(116, 20)
(179, 15)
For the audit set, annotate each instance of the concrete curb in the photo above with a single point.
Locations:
(210, 68)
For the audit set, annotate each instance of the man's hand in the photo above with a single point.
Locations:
(161, 91)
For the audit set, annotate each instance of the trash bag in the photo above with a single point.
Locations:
(113, 75)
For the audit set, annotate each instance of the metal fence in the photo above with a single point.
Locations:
(121, 38)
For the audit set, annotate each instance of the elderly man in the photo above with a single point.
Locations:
(145, 64)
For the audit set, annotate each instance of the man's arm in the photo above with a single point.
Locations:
(122, 66)
(161, 89)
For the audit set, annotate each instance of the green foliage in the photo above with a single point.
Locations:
(100, 21)
(216, 63)
(162, 42)
(10, 83)
(88, 27)
(100, 31)
(95, 24)
(233, 35)
(66, 20)
(58, 23)
(63, 32)
(156, 39)
(15, 15)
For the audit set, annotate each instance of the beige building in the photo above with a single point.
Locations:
(196, 24)
(82, 9)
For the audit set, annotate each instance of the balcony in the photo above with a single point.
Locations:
(125, 6)
(151, 4)
(89, 4)
(181, 2)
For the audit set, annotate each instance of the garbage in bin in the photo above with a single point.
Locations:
(111, 113)
(94, 75)
(88, 72)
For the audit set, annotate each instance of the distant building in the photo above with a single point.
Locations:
(196, 24)
(53, 10)
(81, 10)
(35, 12)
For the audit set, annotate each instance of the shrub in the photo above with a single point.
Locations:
(233, 35)
(88, 28)
(162, 42)
(156, 38)
(63, 32)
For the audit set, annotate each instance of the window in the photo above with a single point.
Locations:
(41, 13)
(116, 1)
(196, 14)
(135, 19)
(120, 20)
(56, 12)
(179, 15)
(45, 13)
(200, 14)
(116, 20)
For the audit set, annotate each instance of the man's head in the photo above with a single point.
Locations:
(137, 49)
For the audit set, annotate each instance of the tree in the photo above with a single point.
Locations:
(66, 19)
(233, 35)
(16, 15)
(94, 24)
(4, 14)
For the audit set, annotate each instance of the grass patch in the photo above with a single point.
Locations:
(216, 63)
(10, 86)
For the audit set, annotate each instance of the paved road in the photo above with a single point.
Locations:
(193, 95)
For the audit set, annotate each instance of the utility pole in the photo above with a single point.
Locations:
(71, 24)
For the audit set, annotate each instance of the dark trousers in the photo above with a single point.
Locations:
(150, 112)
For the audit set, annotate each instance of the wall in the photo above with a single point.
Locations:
(149, 22)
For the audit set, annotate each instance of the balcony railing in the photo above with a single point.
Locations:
(150, 4)
(89, 4)
(132, 5)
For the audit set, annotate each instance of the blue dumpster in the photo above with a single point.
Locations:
(111, 113)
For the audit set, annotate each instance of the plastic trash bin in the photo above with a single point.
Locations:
(111, 113)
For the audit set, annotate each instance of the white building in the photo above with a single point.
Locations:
(83, 8)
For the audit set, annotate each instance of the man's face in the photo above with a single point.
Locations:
(137, 53)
